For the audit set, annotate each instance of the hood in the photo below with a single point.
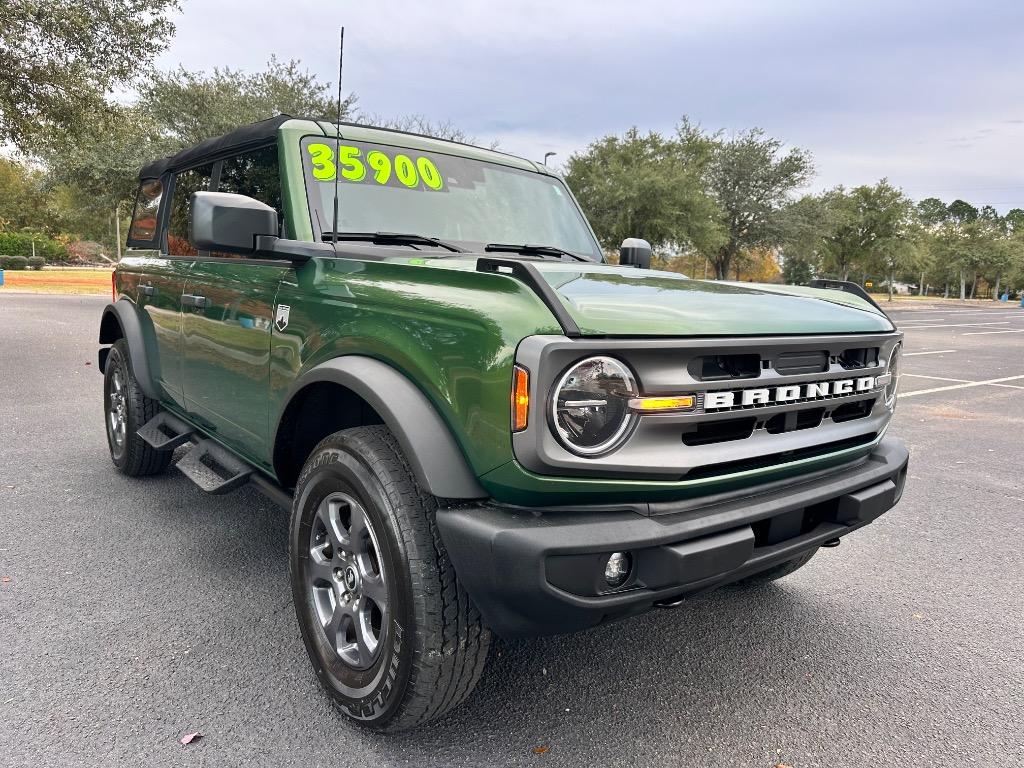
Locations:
(615, 301)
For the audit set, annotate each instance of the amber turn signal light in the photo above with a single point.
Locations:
(520, 398)
(662, 404)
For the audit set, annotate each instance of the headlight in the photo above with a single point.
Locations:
(590, 405)
(893, 369)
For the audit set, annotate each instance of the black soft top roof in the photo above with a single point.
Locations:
(240, 139)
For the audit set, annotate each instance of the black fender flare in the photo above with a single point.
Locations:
(436, 459)
(124, 313)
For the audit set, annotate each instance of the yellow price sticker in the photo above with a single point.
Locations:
(377, 165)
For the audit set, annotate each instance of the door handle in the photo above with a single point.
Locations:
(147, 290)
(192, 300)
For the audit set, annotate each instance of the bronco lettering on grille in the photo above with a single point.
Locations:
(790, 392)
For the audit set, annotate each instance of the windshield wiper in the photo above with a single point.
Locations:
(391, 238)
(534, 250)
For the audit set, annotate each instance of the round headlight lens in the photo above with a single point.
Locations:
(590, 406)
(894, 375)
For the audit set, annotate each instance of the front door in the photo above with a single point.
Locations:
(228, 312)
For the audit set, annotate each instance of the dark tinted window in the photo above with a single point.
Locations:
(147, 205)
(254, 174)
(185, 183)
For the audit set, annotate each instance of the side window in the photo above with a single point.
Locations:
(254, 174)
(185, 183)
(147, 206)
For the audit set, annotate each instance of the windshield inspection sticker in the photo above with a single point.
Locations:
(281, 318)
(384, 168)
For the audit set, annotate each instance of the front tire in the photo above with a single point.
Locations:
(125, 409)
(391, 634)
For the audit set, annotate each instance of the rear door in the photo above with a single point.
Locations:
(228, 312)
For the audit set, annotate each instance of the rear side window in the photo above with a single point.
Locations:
(254, 174)
(144, 217)
(185, 183)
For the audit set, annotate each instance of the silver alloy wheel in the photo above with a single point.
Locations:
(346, 581)
(117, 416)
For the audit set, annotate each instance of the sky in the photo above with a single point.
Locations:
(927, 94)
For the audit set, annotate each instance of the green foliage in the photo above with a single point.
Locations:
(797, 271)
(872, 230)
(21, 243)
(22, 199)
(36, 262)
(13, 263)
(175, 110)
(185, 107)
(1014, 220)
(61, 57)
(752, 177)
(932, 212)
(646, 185)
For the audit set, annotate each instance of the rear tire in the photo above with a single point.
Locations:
(777, 571)
(391, 634)
(125, 409)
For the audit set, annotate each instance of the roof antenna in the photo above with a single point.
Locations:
(337, 138)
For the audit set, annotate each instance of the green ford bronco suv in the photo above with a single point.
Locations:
(478, 425)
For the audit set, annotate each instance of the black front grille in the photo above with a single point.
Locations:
(720, 431)
(797, 363)
(794, 420)
(724, 367)
(863, 357)
(760, 462)
(851, 411)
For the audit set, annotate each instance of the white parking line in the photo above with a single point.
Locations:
(986, 333)
(933, 352)
(960, 386)
(938, 378)
(954, 325)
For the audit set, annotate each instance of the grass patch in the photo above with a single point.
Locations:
(70, 281)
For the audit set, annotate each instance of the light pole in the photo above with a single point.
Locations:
(547, 155)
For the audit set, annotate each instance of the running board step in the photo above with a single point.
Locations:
(214, 469)
(165, 432)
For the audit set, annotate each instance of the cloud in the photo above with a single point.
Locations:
(878, 80)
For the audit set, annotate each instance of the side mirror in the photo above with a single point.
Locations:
(635, 252)
(229, 223)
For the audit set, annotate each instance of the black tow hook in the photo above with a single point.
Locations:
(831, 543)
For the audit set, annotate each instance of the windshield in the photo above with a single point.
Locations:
(383, 188)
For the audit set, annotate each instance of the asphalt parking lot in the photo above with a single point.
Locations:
(134, 611)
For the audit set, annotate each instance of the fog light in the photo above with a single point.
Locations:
(616, 570)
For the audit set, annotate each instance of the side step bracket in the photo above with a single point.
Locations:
(165, 432)
(214, 469)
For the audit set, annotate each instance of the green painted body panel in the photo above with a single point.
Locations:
(609, 300)
(451, 330)
(226, 350)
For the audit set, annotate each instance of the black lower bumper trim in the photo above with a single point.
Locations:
(539, 572)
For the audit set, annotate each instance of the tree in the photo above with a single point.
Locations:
(22, 202)
(872, 230)
(751, 178)
(176, 109)
(644, 185)
(187, 107)
(1014, 220)
(806, 223)
(961, 241)
(61, 58)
